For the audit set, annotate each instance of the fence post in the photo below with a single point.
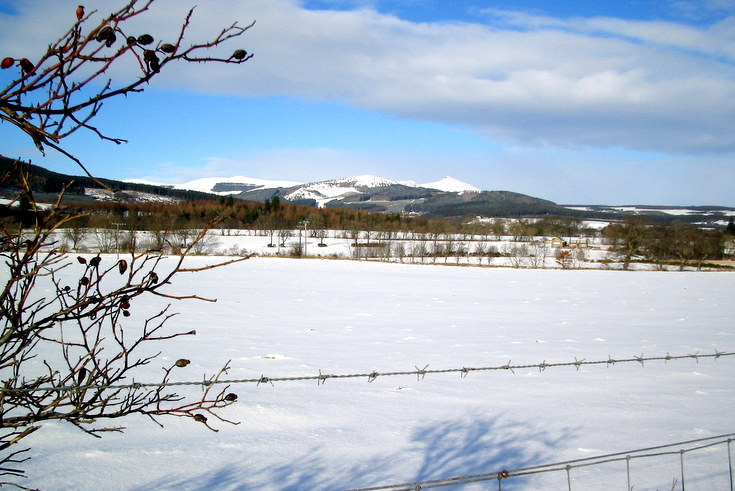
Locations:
(681, 460)
(729, 461)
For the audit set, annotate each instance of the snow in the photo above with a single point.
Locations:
(288, 317)
(107, 195)
(325, 191)
(207, 184)
(675, 211)
(321, 192)
(147, 182)
(367, 180)
(451, 184)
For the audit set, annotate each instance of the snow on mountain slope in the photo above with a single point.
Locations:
(148, 183)
(207, 184)
(451, 185)
(325, 191)
(321, 191)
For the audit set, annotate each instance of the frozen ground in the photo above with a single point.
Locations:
(285, 317)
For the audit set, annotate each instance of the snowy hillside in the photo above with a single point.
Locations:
(451, 185)
(325, 191)
(319, 190)
(290, 318)
(209, 184)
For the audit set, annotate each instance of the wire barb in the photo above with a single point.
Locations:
(420, 374)
(264, 380)
(322, 378)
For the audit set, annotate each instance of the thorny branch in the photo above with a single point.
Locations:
(64, 89)
(55, 332)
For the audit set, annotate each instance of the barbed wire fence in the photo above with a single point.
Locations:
(419, 373)
(672, 449)
(501, 476)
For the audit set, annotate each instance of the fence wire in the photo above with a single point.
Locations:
(567, 466)
(419, 373)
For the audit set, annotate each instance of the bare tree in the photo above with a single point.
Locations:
(76, 331)
(74, 235)
(516, 253)
(629, 237)
(538, 251)
(564, 258)
(283, 235)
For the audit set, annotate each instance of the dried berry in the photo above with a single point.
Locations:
(239, 54)
(125, 305)
(168, 48)
(7, 62)
(182, 362)
(122, 266)
(104, 34)
(149, 55)
(152, 59)
(200, 417)
(111, 40)
(26, 65)
(81, 260)
(153, 277)
(81, 375)
(95, 261)
(231, 397)
(126, 313)
(145, 39)
(131, 40)
(84, 281)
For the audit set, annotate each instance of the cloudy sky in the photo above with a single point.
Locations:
(579, 102)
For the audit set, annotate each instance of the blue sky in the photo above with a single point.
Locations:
(609, 102)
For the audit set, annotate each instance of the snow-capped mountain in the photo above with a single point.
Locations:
(451, 185)
(324, 192)
(447, 197)
(318, 190)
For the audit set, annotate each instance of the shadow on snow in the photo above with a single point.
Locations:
(466, 446)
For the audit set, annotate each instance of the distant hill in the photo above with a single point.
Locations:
(447, 198)
(47, 184)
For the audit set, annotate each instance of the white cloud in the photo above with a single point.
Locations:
(582, 82)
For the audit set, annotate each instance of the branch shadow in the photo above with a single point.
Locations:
(484, 445)
(465, 446)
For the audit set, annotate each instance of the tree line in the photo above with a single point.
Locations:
(637, 238)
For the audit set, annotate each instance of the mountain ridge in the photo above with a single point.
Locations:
(365, 192)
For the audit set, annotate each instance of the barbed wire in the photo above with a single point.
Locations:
(420, 373)
(568, 465)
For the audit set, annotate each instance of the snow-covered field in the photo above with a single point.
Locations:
(285, 317)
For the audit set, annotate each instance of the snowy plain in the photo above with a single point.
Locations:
(278, 317)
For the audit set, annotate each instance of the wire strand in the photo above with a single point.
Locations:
(321, 378)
